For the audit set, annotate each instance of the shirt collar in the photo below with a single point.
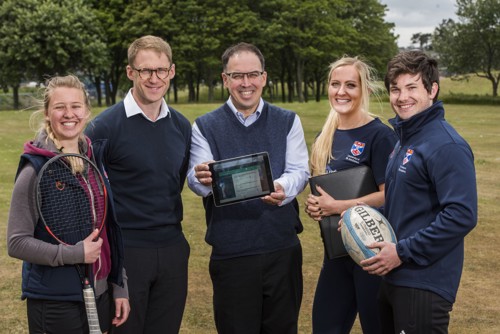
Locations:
(238, 114)
(132, 108)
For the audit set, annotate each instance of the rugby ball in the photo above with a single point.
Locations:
(363, 225)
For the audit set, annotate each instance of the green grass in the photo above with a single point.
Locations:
(470, 85)
(477, 309)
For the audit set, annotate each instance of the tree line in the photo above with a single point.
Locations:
(470, 46)
(40, 38)
(299, 39)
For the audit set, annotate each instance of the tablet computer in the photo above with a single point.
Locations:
(242, 178)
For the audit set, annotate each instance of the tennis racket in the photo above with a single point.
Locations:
(71, 199)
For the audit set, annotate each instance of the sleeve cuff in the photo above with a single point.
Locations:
(401, 252)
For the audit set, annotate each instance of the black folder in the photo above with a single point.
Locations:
(342, 185)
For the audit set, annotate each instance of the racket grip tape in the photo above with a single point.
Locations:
(90, 306)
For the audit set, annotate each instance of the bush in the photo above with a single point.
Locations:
(470, 99)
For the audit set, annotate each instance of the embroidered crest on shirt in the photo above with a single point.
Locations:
(357, 148)
(408, 154)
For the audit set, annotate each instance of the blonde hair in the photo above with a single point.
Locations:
(148, 42)
(68, 81)
(321, 150)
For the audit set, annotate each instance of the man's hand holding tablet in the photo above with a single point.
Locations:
(241, 179)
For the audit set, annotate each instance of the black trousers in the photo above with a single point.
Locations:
(258, 294)
(157, 283)
(345, 290)
(52, 316)
(412, 311)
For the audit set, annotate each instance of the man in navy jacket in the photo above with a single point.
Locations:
(430, 200)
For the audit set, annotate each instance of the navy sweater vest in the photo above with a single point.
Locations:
(250, 227)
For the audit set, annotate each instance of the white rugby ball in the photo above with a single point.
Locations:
(363, 225)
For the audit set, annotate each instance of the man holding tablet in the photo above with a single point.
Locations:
(256, 260)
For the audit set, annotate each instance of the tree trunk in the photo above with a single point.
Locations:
(198, 89)
(318, 89)
(300, 79)
(270, 86)
(15, 96)
(211, 84)
(114, 79)
(305, 92)
(290, 90)
(190, 85)
(283, 93)
(176, 91)
(98, 91)
(290, 85)
(107, 91)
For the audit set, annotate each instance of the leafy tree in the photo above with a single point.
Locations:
(14, 67)
(123, 21)
(41, 38)
(110, 15)
(298, 38)
(423, 40)
(205, 30)
(472, 45)
(304, 37)
(373, 40)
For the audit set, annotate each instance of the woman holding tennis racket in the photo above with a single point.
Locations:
(62, 223)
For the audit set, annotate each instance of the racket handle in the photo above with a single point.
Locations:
(92, 317)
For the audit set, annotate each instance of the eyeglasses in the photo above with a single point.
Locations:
(147, 73)
(239, 76)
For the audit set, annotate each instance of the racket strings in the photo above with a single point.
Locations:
(71, 199)
(97, 197)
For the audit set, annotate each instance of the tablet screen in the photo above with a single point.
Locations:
(242, 178)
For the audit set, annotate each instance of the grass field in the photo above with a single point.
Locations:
(477, 309)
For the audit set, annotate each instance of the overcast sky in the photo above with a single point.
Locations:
(417, 16)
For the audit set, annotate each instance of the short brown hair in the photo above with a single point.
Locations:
(149, 42)
(413, 62)
(241, 47)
